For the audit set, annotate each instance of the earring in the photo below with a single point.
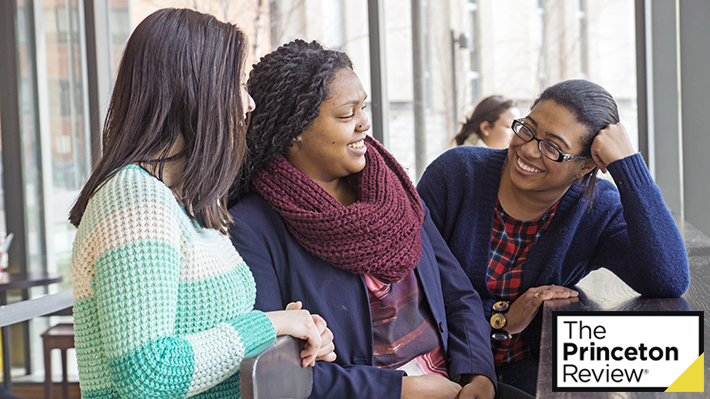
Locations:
(360, 126)
(581, 175)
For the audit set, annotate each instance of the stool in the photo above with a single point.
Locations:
(60, 337)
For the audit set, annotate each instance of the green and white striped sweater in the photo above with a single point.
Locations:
(162, 307)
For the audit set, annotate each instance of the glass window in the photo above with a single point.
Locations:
(54, 132)
(120, 21)
(539, 43)
(427, 55)
(583, 45)
(557, 40)
(54, 135)
(30, 127)
(552, 41)
(473, 74)
(65, 136)
(29, 136)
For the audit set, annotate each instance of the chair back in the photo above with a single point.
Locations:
(276, 372)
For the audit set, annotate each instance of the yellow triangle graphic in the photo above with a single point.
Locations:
(692, 379)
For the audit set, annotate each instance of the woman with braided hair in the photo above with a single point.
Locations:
(323, 213)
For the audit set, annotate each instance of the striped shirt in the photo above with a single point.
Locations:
(403, 328)
(162, 307)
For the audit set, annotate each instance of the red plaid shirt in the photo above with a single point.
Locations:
(511, 241)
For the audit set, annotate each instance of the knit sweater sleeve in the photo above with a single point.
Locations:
(130, 294)
(435, 189)
(654, 260)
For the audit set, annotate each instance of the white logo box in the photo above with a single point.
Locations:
(623, 351)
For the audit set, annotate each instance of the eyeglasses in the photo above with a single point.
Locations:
(546, 148)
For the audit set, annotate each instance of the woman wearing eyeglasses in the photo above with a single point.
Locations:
(528, 222)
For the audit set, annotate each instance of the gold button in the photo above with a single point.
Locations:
(501, 306)
(498, 321)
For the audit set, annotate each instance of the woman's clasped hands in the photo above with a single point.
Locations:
(313, 329)
(434, 386)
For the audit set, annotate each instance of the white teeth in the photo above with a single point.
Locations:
(527, 168)
(357, 144)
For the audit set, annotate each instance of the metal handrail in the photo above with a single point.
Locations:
(35, 307)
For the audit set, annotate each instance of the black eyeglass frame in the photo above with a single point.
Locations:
(518, 124)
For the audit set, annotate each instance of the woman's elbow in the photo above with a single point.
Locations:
(673, 286)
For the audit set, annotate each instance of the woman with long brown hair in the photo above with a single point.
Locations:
(490, 123)
(163, 304)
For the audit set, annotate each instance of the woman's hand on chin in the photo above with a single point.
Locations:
(523, 310)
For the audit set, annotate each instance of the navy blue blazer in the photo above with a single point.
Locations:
(285, 272)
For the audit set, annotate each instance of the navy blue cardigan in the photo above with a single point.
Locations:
(628, 230)
(285, 272)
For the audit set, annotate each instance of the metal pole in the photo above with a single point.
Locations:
(98, 68)
(418, 69)
(641, 78)
(378, 71)
(453, 78)
(14, 200)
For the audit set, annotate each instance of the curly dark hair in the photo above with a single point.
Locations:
(288, 86)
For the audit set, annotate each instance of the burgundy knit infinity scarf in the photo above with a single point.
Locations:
(378, 235)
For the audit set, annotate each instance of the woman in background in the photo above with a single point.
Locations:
(529, 221)
(163, 304)
(490, 123)
(339, 225)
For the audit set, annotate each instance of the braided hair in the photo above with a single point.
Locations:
(288, 86)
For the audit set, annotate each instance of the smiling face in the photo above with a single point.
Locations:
(500, 133)
(332, 145)
(531, 172)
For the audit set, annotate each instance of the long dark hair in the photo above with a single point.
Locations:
(288, 86)
(593, 107)
(179, 77)
(489, 110)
